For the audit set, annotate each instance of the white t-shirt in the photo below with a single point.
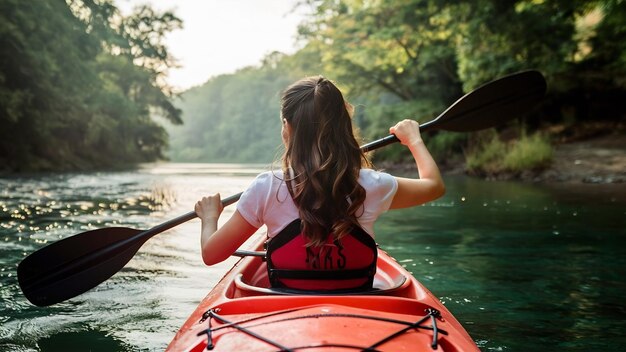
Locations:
(267, 200)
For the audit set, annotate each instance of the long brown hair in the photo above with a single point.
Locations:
(322, 159)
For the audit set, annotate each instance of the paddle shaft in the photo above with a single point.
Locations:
(185, 217)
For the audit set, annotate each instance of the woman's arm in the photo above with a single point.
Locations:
(218, 244)
(429, 186)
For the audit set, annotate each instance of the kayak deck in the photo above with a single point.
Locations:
(243, 313)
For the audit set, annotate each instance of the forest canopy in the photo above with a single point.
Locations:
(83, 87)
(413, 58)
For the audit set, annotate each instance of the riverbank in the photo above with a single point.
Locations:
(600, 159)
(588, 153)
(593, 165)
(592, 153)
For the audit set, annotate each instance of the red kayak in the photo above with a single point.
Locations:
(242, 313)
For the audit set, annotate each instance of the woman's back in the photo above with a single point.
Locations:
(267, 201)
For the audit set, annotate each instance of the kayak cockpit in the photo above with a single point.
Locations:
(381, 287)
(390, 280)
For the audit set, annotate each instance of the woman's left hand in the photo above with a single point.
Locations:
(209, 208)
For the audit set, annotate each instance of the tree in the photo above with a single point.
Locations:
(79, 85)
(235, 117)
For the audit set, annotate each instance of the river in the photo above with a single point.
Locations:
(522, 266)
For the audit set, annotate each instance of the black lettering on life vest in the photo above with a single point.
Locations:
(312, 259)
(326, 257)
(341, 261)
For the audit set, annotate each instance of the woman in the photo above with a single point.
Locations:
(321, 208)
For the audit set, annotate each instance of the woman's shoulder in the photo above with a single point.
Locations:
(265, 183)
(377, 181)
(269, 178)
(374, 176)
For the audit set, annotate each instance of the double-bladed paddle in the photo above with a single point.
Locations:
(74, 265)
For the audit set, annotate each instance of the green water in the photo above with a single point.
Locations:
(523, 267)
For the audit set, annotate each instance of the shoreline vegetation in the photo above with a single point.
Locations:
(593, 153)
(582, 153)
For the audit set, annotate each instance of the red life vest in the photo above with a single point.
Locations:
(348, 263)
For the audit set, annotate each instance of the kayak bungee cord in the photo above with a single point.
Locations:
(208, 332)
(214, 315)
(431, 313)
(409, 324)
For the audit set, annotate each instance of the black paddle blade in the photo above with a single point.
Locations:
(74, 265)
(487, 106)
(493, 103)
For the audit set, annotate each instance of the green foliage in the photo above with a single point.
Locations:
(403, 48)
(492, 156)
(608, 52)
(529, 153)
(88, 97)
(79, 85)
(375, 118)
(406, 59)
(487, 154)
(496, 37)
(235, 118)
(445, 145)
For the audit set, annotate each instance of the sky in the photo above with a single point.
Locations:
(222, 36)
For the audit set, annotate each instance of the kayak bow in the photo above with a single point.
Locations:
(242, 313)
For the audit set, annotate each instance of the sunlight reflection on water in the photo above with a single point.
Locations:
(142, 306)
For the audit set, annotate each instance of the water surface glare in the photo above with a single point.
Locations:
(523, 267)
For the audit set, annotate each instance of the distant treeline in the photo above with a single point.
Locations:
(80, 85)
(413, 58)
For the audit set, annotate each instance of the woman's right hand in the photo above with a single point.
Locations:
(429, 185)
(407, 131)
